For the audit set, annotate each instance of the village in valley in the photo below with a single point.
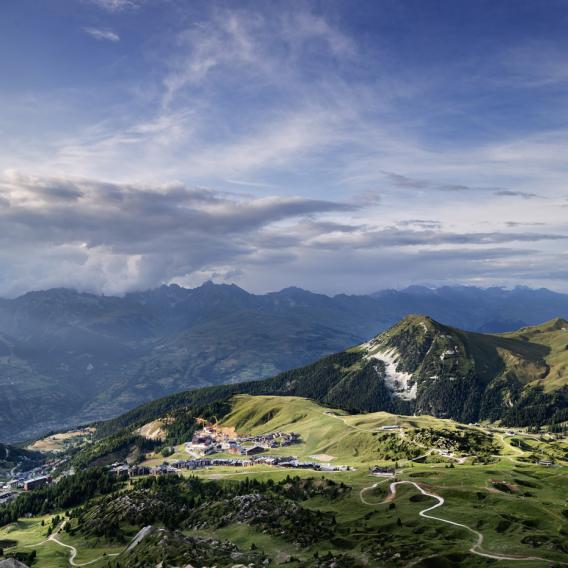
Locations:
(211, 446)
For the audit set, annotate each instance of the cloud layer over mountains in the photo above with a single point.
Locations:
(117, 237)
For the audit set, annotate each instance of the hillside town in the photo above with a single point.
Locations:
(212, 439)
(124, 471)
(240, 451)
(211, 446)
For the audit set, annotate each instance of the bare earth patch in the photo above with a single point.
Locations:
(323, 457)
(60, 442)
(153, 430)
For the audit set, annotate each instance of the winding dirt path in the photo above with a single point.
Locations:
(477, 547)
(371, 487)
(74, 551)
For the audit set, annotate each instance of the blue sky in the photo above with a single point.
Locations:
(338, 146)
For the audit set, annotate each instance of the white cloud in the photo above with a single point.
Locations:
(243, 42)
(116, 5)
(535, 65)
(102, 34)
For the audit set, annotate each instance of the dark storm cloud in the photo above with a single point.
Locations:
(154, 233)
(126, 216)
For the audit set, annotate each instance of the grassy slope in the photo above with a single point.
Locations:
(553, 336)
(375, 526)
(351, 439)
(29, 533)
(504, 519)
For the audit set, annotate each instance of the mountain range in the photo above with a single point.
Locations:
(68, 358)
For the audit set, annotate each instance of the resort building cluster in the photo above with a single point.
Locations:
(213, 440)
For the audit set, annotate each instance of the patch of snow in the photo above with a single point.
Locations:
(399, 383)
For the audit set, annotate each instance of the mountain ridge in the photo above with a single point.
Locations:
(67, 358)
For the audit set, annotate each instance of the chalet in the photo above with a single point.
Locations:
(163, 470)
(203, 437)
(382, 471)
(120, 471)
(197, 447)
(266, 460)
(138, 470)
(198, 463)
(253, 450)
(236, 462)
(291, 463)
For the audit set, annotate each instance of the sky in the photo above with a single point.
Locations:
(340, 146)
